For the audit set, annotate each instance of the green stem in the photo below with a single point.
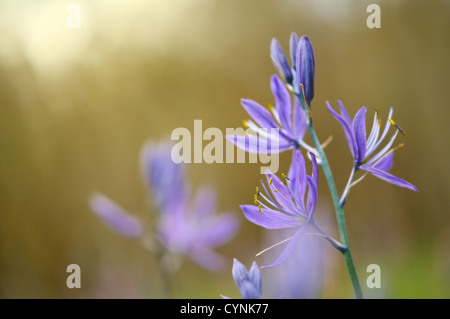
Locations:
(336, 202)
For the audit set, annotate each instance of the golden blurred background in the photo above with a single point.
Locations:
(76, 105)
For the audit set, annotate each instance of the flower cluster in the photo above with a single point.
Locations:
(289, 202)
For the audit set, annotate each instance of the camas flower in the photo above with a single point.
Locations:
(281, 129)
(248, 282)
(363, 148)
(183, 227)
(283, 206)
(299, 77)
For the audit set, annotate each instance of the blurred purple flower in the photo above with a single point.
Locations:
(299, 77)
(191, 229)
(279, 129)
(287, 207)
(248, 282)
(362, 148)
(116, 217)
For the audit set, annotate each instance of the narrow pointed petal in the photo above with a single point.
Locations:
(269, 219)
(255, 278)
(359, 129)
(386, 163)
(312, 196)
(239, 272)
(315, 169)
(351, 140)
(305, 67)
(297, 176)
(389, 178)
(289, 248)
(280, 61)
(293, 43)
(260, 114)
(298, 121)
(116, 217)
(255, 144)
(344, 113)
(205, 201)
(276, 184)
(282, 102)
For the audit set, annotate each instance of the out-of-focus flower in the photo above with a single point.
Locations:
(248, 282)
(285, 206)
(194, 229)
(190, 228)
(299, 77)
(279, 129)
(362, 148)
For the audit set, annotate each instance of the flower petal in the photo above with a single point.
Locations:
(255, 278)
(351, 141)
(256, 144)
(297, 176)
(269, 219)
(386, 163)
(116, 217)
(207, 259)
(260, 114)
(359, 129)
(293, 42)
(217, 230)
(305, 67)
(281, 190)
(282, 102)
(288, 250)
(312, 196)
(299, 120)
(389, 178)
(280, 61)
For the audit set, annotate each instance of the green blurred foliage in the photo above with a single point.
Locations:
(77, 104)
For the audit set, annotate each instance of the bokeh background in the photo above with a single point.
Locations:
(76, 105)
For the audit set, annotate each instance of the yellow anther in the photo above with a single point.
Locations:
(259, 209)
(257, 190)
(397, 126)
(275, 191)
(392, 121)
(245, 123)
(378, 116)
(256, 199)
(270, 180)
(269, 106)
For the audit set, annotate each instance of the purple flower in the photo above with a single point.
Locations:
(194, 230)
(285, 204)
(116, 217)
(299, 77)
(248, 282)
(363, 148)
(283, 126)
(184, 227)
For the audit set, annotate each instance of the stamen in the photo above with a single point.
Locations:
(270, 180)
(397, 126)
(279, 243)
(378, 116)
(388, 152)
(327, 141)
(256, 199)
(285, 177)
(259, 209)
(245, 123)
